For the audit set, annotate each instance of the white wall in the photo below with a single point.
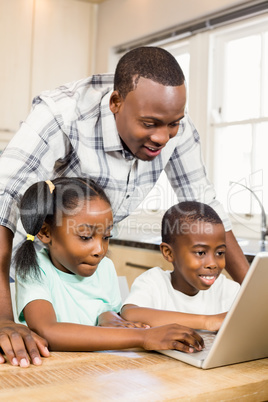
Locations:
(63, 42)
(121, 21)
(43, 44)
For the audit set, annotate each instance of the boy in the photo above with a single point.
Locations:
(195, 293)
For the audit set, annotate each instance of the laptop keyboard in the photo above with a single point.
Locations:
(208, 339)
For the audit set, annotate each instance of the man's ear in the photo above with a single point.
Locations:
(115, 102)
(167, 252)
(45, 234)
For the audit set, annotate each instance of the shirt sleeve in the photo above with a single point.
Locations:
(35, 153)
(187, 173)
(30, 289)
(144, 291)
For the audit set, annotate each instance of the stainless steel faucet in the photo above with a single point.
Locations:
(264, 229)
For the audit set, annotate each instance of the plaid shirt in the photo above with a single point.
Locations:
(71, 132)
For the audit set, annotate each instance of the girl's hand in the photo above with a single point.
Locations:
(111, 319)
(18, 343)
(213, 322)
(172, 336)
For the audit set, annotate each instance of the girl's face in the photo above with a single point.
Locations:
(80, 241)
(198, 257)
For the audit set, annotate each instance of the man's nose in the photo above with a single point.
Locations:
(163, 134)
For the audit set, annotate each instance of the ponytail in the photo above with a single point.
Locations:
(36, 204)
(39, 204)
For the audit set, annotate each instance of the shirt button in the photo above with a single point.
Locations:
(128, 196)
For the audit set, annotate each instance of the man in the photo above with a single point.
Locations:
(122, 131)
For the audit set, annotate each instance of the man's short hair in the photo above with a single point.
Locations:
(180, 218)
(149, 62)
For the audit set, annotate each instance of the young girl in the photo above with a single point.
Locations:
(69, 287)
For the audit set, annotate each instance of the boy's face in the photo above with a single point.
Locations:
(148, 117)
(198, 257)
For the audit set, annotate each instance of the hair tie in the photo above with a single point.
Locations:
(30, 237)
(50, 185)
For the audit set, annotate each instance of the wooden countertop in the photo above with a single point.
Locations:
(131, 375)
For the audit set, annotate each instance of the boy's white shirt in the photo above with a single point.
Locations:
(153, 289)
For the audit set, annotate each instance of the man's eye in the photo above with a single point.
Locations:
(175, 124)
(148, 125)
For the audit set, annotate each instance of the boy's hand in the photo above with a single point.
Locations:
(111, 319)
(213, 322)
(18, 343)
(172, 336)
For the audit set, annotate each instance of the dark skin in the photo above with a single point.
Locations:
(145, 121)
(198, 259)
(76, 247)
(15, 338)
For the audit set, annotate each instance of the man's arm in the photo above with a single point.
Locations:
(236, 263)
(15, 339)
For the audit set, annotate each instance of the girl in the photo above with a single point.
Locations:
(69, 287)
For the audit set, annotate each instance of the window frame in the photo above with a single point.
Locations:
(244, 224)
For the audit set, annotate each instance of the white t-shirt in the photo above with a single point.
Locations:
(75, 299)
(153, 289)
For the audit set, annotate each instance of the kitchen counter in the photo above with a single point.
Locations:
(151, 240)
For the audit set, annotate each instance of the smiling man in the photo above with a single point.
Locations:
(148, 117)
(121, 130)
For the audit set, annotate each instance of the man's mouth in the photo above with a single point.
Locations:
(153, 148)
(152, 151)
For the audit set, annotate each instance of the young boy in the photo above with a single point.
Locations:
(195, 293)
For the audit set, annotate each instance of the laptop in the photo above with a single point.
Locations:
(243, 335)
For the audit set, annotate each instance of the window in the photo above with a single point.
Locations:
(239, 116)
(227, 84)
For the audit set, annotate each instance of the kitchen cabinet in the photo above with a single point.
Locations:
(43, 44)
(132, 261)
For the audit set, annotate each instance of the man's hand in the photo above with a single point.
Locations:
(20, 345)
(111, 319)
